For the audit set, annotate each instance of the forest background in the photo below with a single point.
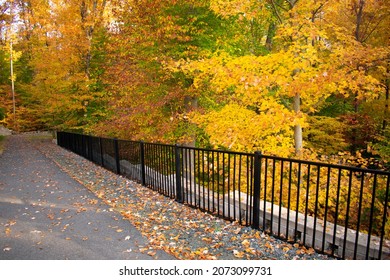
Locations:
(292, 78)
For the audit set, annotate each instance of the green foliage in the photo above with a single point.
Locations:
(334, 106)
(382, 146)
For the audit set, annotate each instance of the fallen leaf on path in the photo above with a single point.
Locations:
(238, 254)
(152, 253)
(10, 223)
(143, 250)
(246, 243)
(310, 251)
(92, 201)
(81, 209)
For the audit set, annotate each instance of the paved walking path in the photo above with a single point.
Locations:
(45, 214)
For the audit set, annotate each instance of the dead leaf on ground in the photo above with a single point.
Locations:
(152, 253)
(207, 239)
(310, 251)
(246, 243)
(143, 250)
(10, 223)
(238, 254)
(92, 201)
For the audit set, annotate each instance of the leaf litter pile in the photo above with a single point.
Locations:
(182, 231)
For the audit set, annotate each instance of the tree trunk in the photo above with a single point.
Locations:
(386, 110)
(270, 35)
(191, 103)
(297, 128)
(359, 19)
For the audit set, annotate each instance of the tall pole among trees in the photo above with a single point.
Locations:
(12, 64)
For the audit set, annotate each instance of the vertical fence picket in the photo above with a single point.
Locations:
(178, 165)
(142, 157)
(256, 191)
(116, 153)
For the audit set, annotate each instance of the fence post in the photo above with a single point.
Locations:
(256, 191)
(101, 151)
(116, 150)
(179, 197)
(143, 172)
(59, 139)
(89, 147)
(84, 146)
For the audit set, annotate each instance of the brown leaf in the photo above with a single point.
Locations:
(238, 254)
(176, 238)
(81, 209)
(92, 201)
(207, 239)
(11, 223)
(143, 250)
(269, 246)
(246, 243)
(310, 251)
(152, 253)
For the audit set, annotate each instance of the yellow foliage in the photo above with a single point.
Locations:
(241, 129)
(245, 8)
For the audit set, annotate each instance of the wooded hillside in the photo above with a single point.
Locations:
(294, 78)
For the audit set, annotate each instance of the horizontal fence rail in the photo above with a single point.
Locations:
(340, 211)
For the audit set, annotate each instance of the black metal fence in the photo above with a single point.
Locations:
(337, 210)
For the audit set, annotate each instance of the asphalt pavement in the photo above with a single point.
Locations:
(47, 215)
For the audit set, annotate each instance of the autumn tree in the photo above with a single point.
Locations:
(310, 61)
(149, 102)
(56, 40)
(243, 75)
(361, 47)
